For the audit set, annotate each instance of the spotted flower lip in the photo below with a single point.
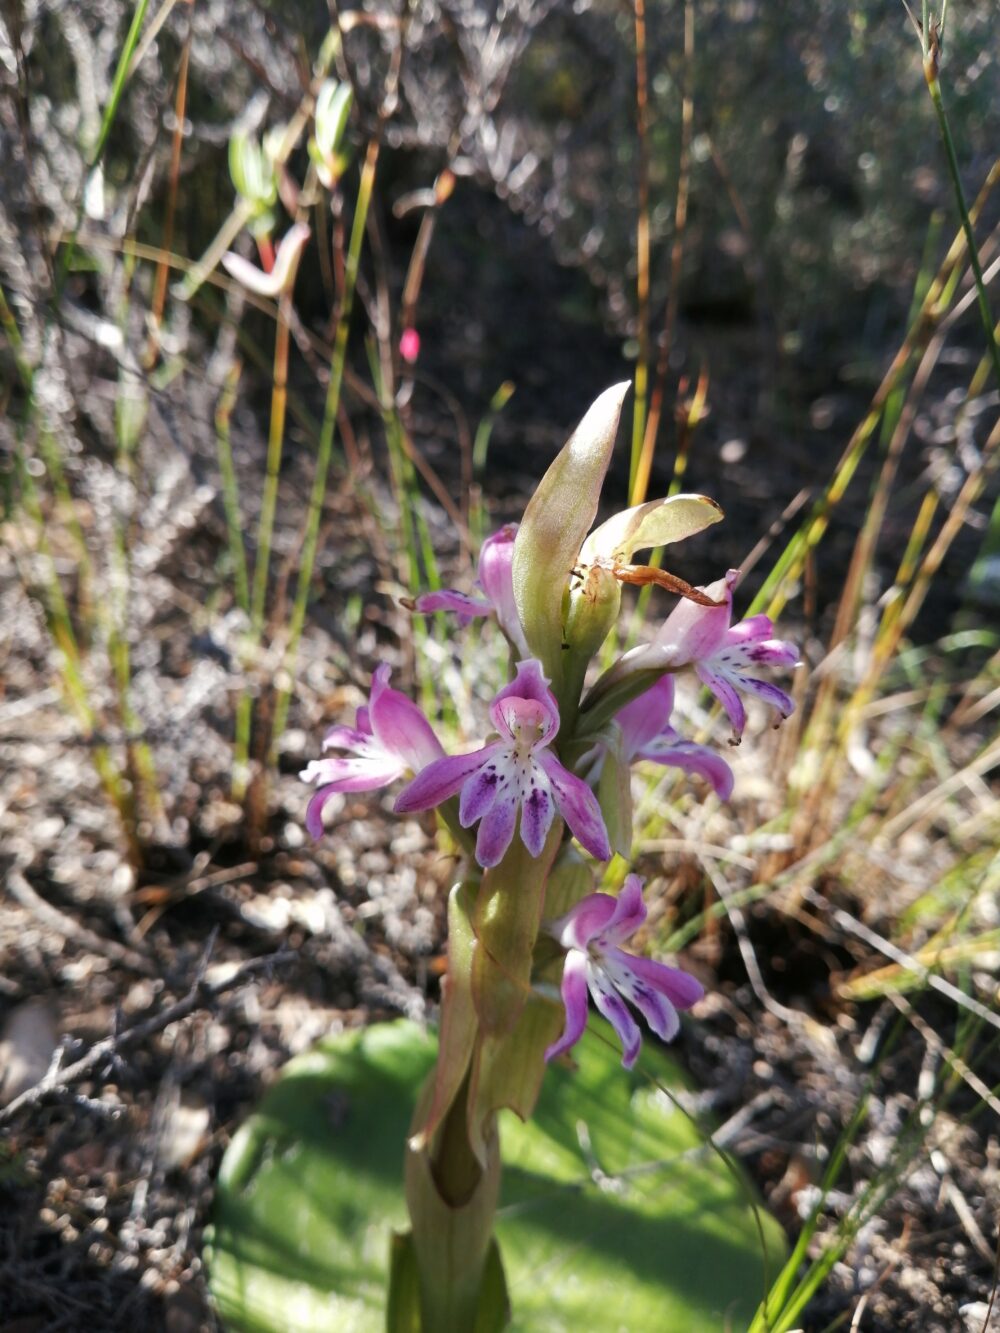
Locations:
(591, 933)
(647, 734)
(721, 653)
(496, 581)
(390, 738)
(516, 771)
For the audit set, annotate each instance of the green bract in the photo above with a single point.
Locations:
(555, 523)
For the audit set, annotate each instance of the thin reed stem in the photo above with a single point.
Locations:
(641, 248)
(641, 485)
(324, 453)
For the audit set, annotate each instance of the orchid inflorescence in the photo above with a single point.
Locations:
(552, 777)
(529, 772)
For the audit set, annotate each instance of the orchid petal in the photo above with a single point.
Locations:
(314, 810)
(584, 922)
(651, 1002)
(768, 693)
(354, 772)
(529, 683)
(680, 988)
(692, 632)
(357, 739)
(751, 630)
(723, 690)
(495, 833)
(399, 725)
(614, 1009)
(578, 806)
(441, 779)
(449, 599)
(629, 913)
(692, 758)
(574, 998)
(537, 814)
(645, 717)
(519, 719)
(479, 791)
(496, 578)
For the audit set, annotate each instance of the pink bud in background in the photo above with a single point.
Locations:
(409, 345)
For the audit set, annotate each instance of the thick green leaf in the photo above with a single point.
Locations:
(614, 1215)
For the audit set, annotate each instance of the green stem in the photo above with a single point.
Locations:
(934, 87)
(326, 437)
(641, 249)
(265, 534)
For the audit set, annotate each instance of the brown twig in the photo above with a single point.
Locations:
(19, 888)
(200, 996)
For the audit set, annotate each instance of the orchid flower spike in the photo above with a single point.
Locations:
(647, 734)
(516, 771)
(591, 933)
(281, 279)
(496, 580)
(721, 653)
(390, 737)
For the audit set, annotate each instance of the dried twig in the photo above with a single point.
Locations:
(18, 887)
(200, 996)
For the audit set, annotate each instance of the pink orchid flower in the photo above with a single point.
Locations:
(390, 737)
(517, 771)
(647, 734)
(591, 933)
(282, 276)
(496, 581)
(721, 653)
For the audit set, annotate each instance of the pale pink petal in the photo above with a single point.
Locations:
(751, 630)
(520, 719)
(692, 758)
(692, 632)
(629, 913)
(354, 772)
(680, 988)
(495, 833)
(441, 779)
(723, 690)
(448, 599)
(497, 582)
(614, 1009)
(654, 1006)
(399, 725)
(767, 693)
(578, 806)
(354, 739)
(584, 921)
(314, 811)
(646, 716)
(574, 998)
(529, 683)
